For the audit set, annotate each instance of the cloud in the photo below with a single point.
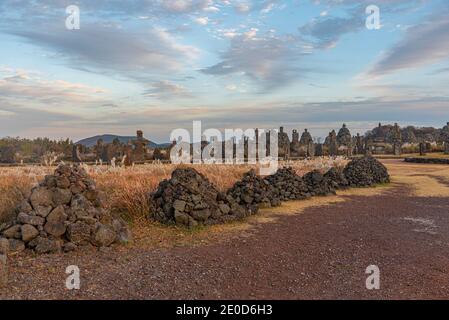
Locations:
(440, 71)
(268, 60)
(17, 120)
(248, 6)
(326, 30)
(202, 21)
(165, 90)
(423, 44)
(361, 115)
(20, 85)
(98, 48)
(119, 8)
(243, 7)
(185, 6)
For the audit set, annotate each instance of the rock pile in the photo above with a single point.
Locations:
(366, 171)
(287, 185)
(254, 192)
(336, 178)
(318, 184)
(188, 198)
(63, 212)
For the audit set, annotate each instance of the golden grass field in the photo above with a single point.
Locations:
(425, 180)
(128, 188)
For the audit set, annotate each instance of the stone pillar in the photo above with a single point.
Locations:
(397, 149)
(319, 150)
(422, 149)
(333, 149)
(446, 147)
(76, 156)
(311, 150)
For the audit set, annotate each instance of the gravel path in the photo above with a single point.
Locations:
(321, 253)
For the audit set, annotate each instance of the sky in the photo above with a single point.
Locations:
(159, 65)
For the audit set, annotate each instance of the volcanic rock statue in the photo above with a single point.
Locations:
(139, 144)
(283, 144)
(331, 142)
(307, 143)
(76, 154)
(99, 150)
(344, 141)
(396, 138)
(359, 145)
(445, 138)
(295, 147)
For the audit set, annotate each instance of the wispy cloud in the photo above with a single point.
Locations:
(20, 85)
(154, 8)
(327, 29)
(104, 49)
(165, 90)
(269, 60)
(423, 44)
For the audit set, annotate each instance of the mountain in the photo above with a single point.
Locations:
(108, 138)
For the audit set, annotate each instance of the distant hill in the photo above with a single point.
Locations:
(108, 138)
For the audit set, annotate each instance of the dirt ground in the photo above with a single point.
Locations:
(315, 249)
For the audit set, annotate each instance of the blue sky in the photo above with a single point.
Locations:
(157, 65)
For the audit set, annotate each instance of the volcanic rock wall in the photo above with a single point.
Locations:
(189, 198)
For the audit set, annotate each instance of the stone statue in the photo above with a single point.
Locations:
(76, 155)
(307, 143)
(344, 136)
(128, 156)
(332, 143)
(359, 144)
(344, 140)
(295, 147)
(306, 137)
(99, 149)
(283, 144)
(445, 136)
(140, 148)
(319, 150)
(396, 137)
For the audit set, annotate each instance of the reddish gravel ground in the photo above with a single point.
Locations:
(320, 254)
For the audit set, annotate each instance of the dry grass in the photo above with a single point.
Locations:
(128, 188)
(425, 180)
(14, 185)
